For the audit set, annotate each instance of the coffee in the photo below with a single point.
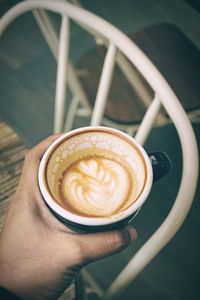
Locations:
(95, 174)
(96, 186)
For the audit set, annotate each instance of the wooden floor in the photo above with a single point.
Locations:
(12, 153)
(27, 88)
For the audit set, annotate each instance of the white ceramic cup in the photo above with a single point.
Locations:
(83, 139)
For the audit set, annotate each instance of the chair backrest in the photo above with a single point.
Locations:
(164, 96)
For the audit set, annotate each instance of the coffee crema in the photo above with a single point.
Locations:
(96, 186)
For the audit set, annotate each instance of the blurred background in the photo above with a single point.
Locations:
(27, 92)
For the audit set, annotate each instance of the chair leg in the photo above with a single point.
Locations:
(90, 285)
(63, 57)
(148, 120)
(71, 113)
(48, 30)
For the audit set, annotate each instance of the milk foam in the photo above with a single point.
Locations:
(96, 186)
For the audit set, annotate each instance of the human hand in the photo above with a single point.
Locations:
(39, 256)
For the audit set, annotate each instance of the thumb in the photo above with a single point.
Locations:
(102, 244)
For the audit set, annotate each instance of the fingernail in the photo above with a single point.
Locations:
(132, 232)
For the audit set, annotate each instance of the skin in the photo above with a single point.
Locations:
(39, 256)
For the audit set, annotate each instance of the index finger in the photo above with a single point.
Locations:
(34, 155)
(40, 148)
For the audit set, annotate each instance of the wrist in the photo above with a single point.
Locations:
(7, 282)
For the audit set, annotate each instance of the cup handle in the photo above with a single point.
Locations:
(161, 164)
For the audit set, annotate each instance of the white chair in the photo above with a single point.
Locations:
(126, 80)
(117, 42)
(81, 104)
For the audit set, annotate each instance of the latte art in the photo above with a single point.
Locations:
(96, 186)
(96, 174)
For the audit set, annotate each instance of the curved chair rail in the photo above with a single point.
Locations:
(170, 102)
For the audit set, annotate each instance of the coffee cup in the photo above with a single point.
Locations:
(97, 178)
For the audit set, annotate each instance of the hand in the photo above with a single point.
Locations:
(39, 256)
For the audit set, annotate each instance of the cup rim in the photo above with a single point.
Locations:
(93, 221)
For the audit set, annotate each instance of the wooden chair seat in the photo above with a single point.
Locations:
(176, 57)
(169, 49)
